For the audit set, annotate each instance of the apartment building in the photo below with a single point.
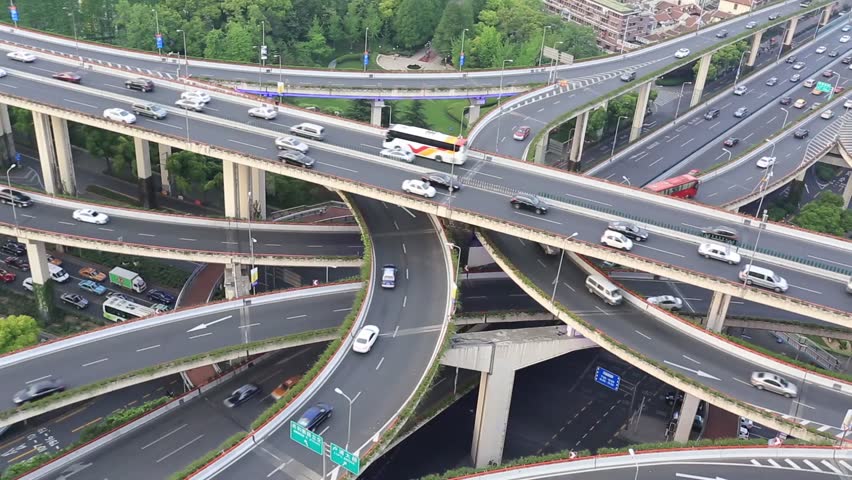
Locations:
(616, 24)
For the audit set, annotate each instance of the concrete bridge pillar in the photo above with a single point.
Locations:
(688, 410)
(541, 148)
(580, 125)
(46, 153)
(376, 107)
(143, 172)
(64, 157)
(847, 191)
(718, 310)
(237, 283)
(243, 189)
(37, 258)
(826, 15)
(791, 31)
(474, 111)
(7, 140)
(492, 414)
(164, 152)
(755, 48)
(258, 193)
(229, 183)
(700, 79)
(639, 113)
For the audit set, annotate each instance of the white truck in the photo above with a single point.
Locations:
(126, 279)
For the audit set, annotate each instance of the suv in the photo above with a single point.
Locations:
(763, 277)
(149, 109)
(141, 84)
(14, 197)
(712, 113)
(14, 248)
(389, 276)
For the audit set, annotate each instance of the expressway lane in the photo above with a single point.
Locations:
(491, 197)
(410, 318)
(164, 66)
(696, 143)
(109, 357)
(816, 406)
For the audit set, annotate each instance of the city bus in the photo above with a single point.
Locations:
(682, 186)
(426, 143)
(119, 309)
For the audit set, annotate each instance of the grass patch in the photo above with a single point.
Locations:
(120, 198)
(153, 271)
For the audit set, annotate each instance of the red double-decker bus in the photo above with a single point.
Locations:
(682, 186)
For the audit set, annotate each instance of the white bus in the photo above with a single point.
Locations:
(426, 143)
(119, 309)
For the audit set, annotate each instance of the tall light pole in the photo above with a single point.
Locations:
(771, 152)
(74, 26)
(499, 104)
(624, 39)
(559, 269)
(280, 74)
(251, 239)
(781, 43)
(739, 68)
(390, 114)
(461, 120)
(366, 52)
(185, 55)
(756, 241)
(541, 50)
(615, 137)
(730, 154)
(679, 98)
(157, 23)
(555, 63)
(351, 401)
(458, 264)
(626, 180)
(9, 181)
(461, 51)
(786, 114)
(262, 42)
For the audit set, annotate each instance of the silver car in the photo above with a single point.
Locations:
(666, 302)
(398, 154)
(773, 383)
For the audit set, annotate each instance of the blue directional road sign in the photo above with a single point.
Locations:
(461, 59)
(366, 58)
(18, 158)
(159, 38)
(607, 378)
(13, 10)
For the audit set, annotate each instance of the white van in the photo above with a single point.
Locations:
(616, 240)
(308, 130)
(603, 288)
(57, 273)
(763, 277)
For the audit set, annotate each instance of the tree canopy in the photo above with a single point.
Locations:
(826, 214)
(16, 332)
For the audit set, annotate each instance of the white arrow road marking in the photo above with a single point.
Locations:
(697, 477)
(202, 326)
(700, 373)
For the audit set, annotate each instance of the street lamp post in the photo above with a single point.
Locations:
(781, 43)
(728, 152)
(157, 23)
(559, 270)
(554, 62)
(786, 114)
(9, 181)
(626, 180)
(76, 39)
(185, 55)
(351, 401)
(756, 241)
(624, 39)
(499, 104)
(541, 50)
(615, 137)
(461, 51)
(366, 30)
(280, 73)
(679, 98)
(461, 120)
(772, 151)
(458, 264)
(739, 68)
(251, 239)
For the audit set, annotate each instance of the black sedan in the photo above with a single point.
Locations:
(18, 263)
(629, 230)
(37, 390)
(161, 296)
(240, 395)
(791, 59)
(299, 159)
(731, 141)
(724, 234)
(14, 248)
(786, 100)
(801, 133)
(846, 60)
(441, 179)
(314, 416)
(529, 202)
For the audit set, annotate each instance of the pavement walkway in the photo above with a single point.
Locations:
(399, 62)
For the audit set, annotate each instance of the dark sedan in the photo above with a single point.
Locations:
(37, 390)
(160, 296)
(629, 230)
(786, 100)
(299, 159)
(529, 202)
(18, 263)
(314, 416)
(724, 234)
(731, 141)
(14, 248)
(67, 77)
(441, 179)
(801, 133)
(241, 395)
(791, 59)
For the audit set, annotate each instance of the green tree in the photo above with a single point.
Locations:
(190, 171)
(826, 214)
(415, 21)
(457, 16)
(315, 49)
(359, 110)
(133, 21)
(239, 43)
(487, 49)
(16, 332)
(414, 114)
(596, 124)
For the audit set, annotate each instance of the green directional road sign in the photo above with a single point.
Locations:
(345, 459)
(306, 438)
(824, 87)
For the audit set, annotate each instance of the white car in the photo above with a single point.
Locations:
(365, 339)
(2, 73)
(827, 115)
(202, 97)
(87, 215)
(765, 162)
(682, 53)
(418, 187)
(847, 104)
(821, 49)
(291, 143)
(119, 115)
(264, 111)
(616, 240)
(845, 38)
(846, 28)
(666, 302)
(21, 56)
(723, 253)
(740, 90)
(398, 154)
(28, 284)
(193, 104)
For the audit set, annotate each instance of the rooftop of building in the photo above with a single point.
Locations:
(616, 6)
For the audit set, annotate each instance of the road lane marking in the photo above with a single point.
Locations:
(404, 250)
(271, 244)
(642, 334)
(404, 301)
(202, 335)
(587, 199)
(187, 239)
(832, 467)
(408, 212)
(67, 223)
(830, 261)
(92, 422)
(246, 144)
(686, 142)
(249, 325)
(324, 430)
(37, 379)
(810, 464)
(148, 348)
(744, 383)
(692, 359)
(806, 406)
(792, 464)
(145, 234)
(181, 448)
(342, 309)
(95, 362)
(79, 103)
(662, 251)
(380, 363)
(297, 316)
(806, 289)
(537, 217)
(602, 310)
(165, 436)
(106, 229)
(336, 166)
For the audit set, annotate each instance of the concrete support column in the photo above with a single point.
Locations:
(243, 184)
(237, 283)
(718, 310)
(474, 111)
(492, 416)
(847, 192)
(376, 107)
(791, 30)
(64, 157)
(755, 48)
(826, 15)
(641, 107)
(229, 182)
(164, 152)
(143, 172)
(541, 148)
(8, 140)
(687, 413)
(46, 152)
(579, 137)
(37, 258)
(700, 79)
(258, 193)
